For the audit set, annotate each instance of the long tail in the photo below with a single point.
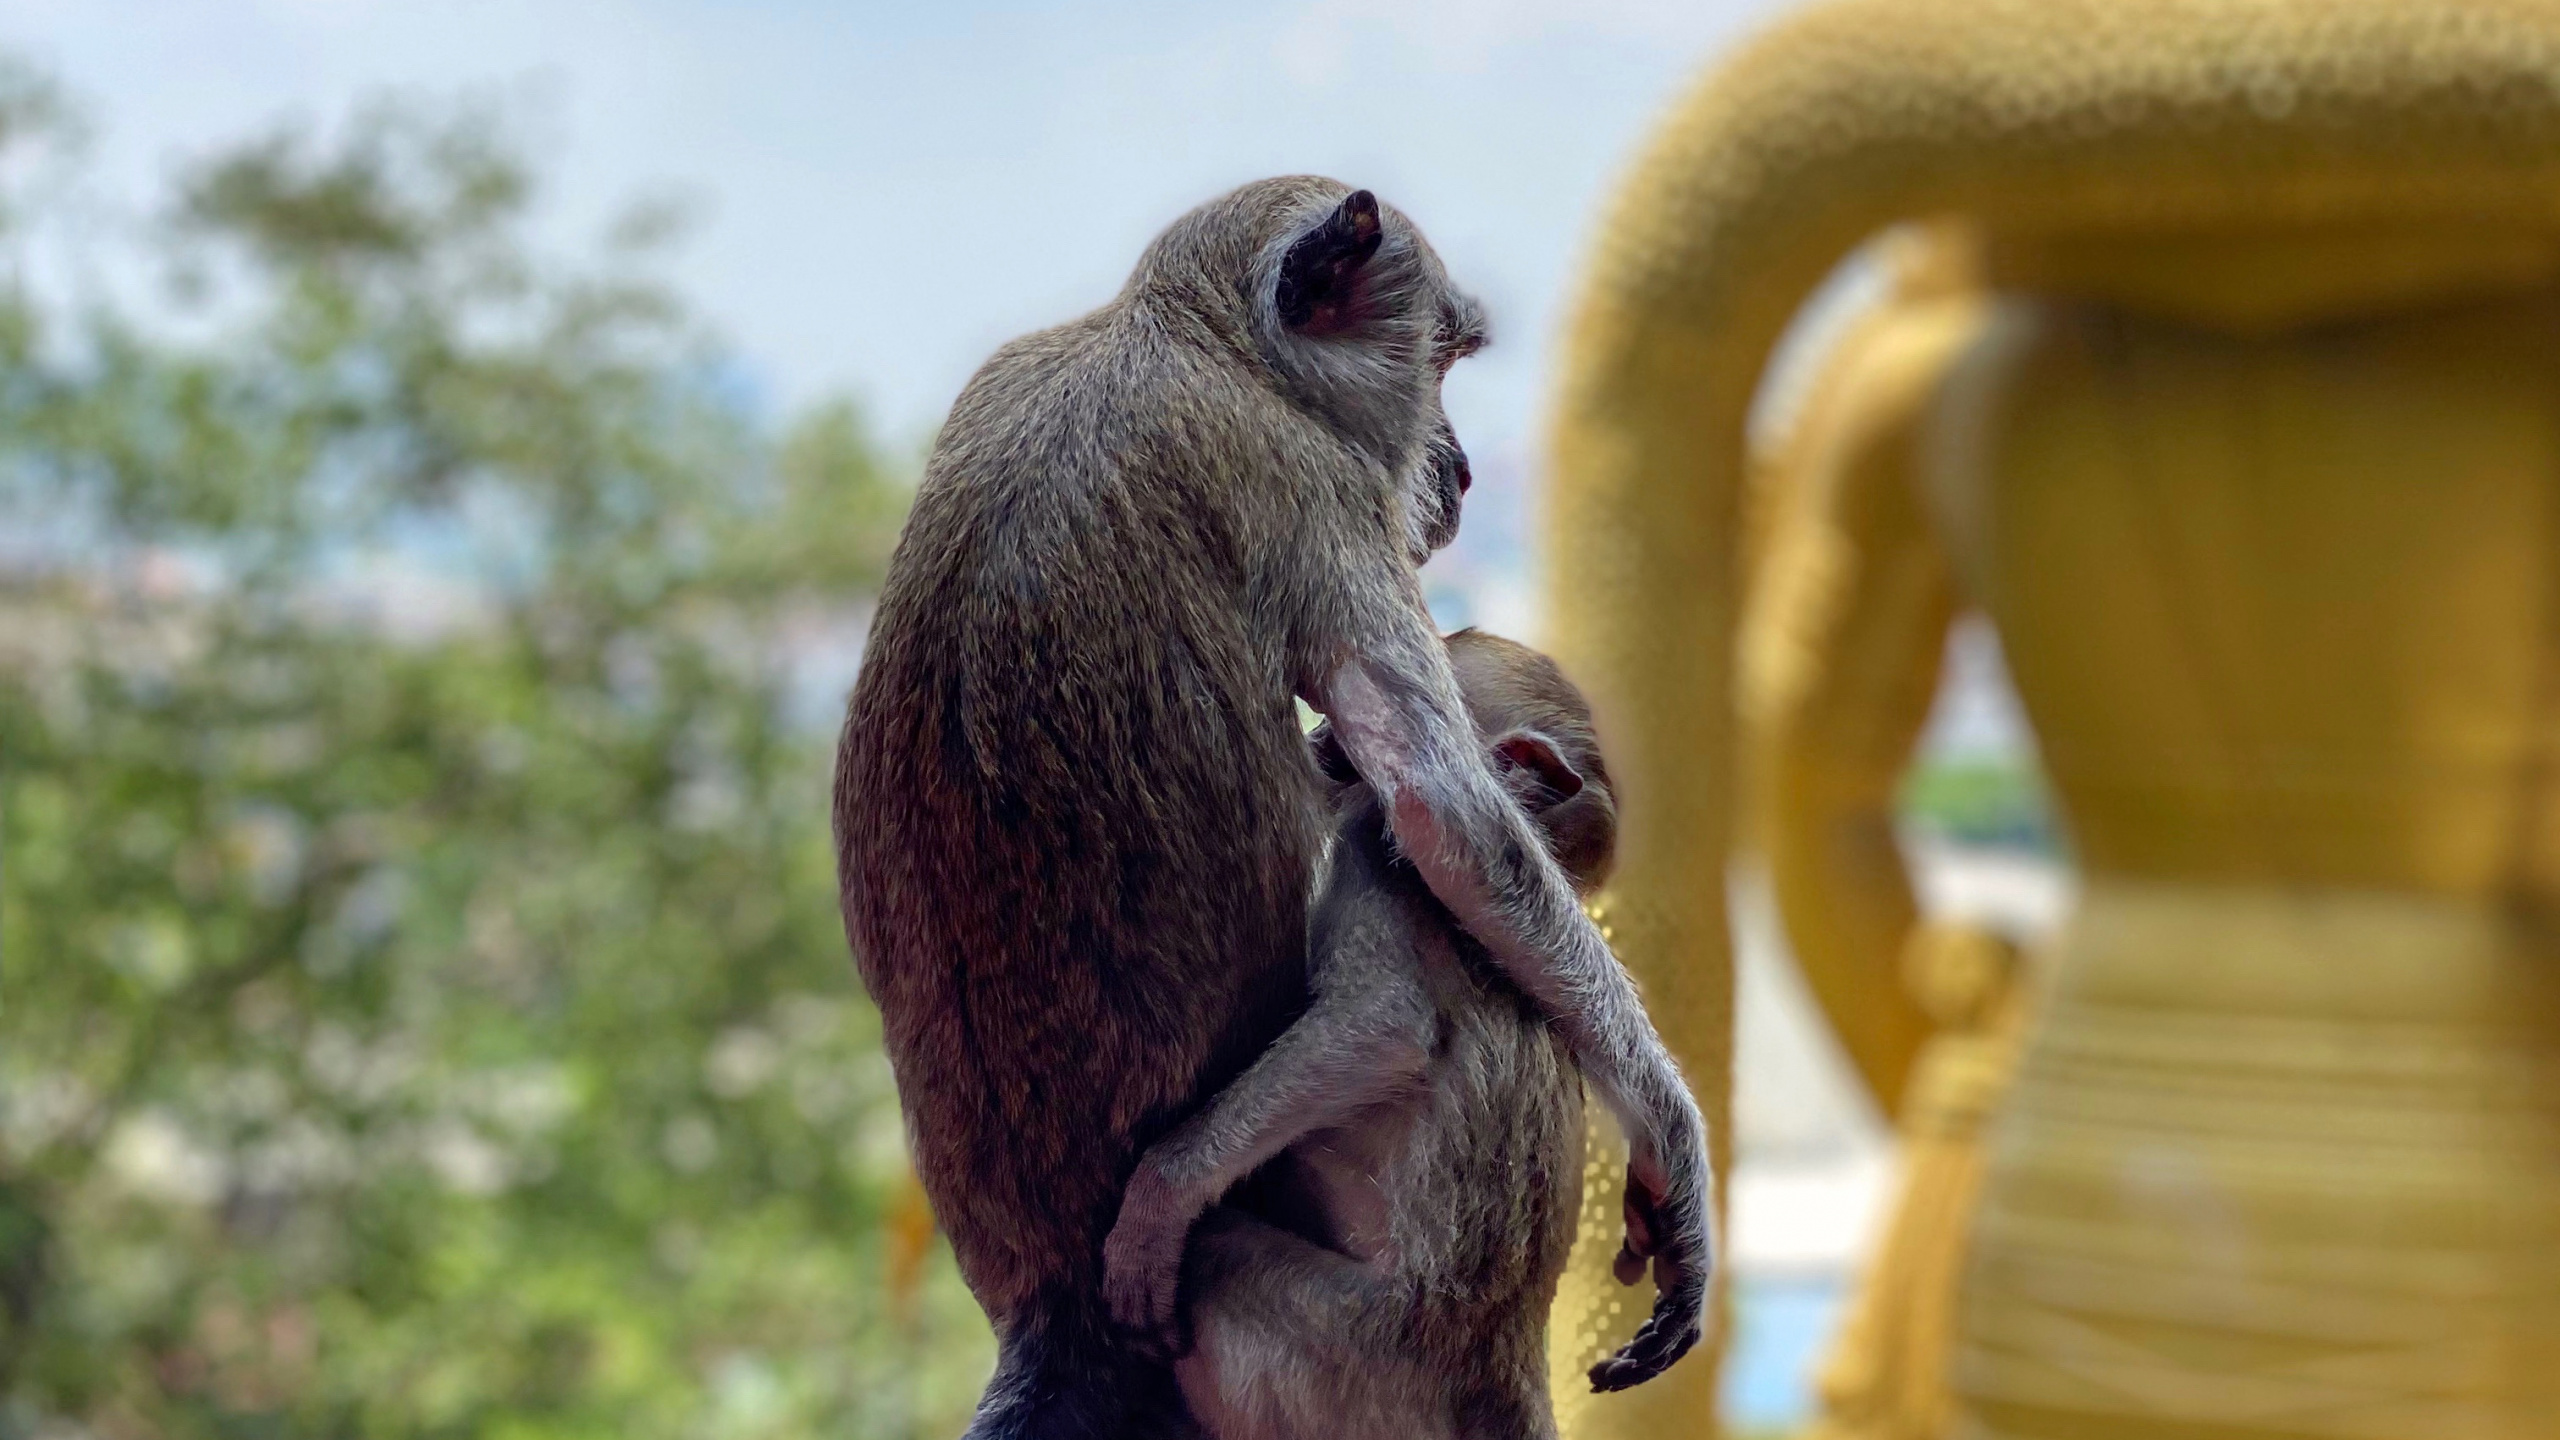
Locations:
(1062, 1375)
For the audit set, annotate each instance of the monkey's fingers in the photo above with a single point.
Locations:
(1671, 1331)
(1141, 1280)
(1161, 1345)
(1150, 1320)
(1643, 1223)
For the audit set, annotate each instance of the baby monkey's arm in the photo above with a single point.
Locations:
(1367, 1035)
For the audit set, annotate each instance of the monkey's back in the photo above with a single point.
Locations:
(1075, 822)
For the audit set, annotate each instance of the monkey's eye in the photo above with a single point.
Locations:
(1451, 348)
(1458, 337)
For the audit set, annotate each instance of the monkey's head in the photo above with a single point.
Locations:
(1537, 731)
(1538, 728)
(1344, 304)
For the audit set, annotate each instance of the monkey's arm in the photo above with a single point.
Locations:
(1367, 1035)
(1394, 705)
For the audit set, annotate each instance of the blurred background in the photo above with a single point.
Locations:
(444, 453)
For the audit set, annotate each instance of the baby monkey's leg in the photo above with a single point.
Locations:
(1367, 1036)
(1297, 1342)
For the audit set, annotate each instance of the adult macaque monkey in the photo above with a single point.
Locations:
(1075, 822)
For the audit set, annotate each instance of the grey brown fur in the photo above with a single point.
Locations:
(1076, 827)
(1415, 1139)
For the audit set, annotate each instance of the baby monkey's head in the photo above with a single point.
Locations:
(1537, 730)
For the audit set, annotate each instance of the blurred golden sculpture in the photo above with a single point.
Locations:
(1887, 1373)
(1844, 624)
(2224, 377)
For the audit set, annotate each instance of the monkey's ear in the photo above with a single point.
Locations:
(1331, 758)
(1320, 274)
(1535, 756)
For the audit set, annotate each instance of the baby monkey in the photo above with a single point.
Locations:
(1405, 1160)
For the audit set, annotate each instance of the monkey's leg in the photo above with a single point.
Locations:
(1367, 1035)
(1297, 1342)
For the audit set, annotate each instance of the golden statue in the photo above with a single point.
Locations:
(1843, 627)
(1886, 1378)
(2221, 371)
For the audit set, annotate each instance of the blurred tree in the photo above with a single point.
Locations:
(424, 1010)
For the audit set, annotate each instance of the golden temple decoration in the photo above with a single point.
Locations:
(2240, 426)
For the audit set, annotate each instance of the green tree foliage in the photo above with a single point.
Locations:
(424, 1009)
(1989, 802)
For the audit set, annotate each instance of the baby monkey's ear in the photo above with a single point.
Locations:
(1319, 277)
(1534, 755)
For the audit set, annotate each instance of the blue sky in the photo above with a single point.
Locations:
(884, 193)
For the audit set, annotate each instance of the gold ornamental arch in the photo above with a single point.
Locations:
(2038, 125)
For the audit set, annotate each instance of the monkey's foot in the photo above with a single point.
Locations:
(1142, 1263)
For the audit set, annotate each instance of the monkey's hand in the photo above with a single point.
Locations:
(1669, 1226)
(1142, 1261)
